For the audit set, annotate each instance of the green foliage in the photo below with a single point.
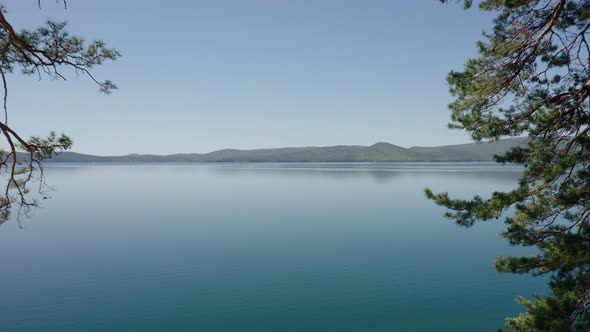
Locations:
(50, 145)
(532, 77)
(45, 52)
(52, 44)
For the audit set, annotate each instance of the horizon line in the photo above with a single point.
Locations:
(289, 147)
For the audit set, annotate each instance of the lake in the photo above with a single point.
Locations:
(258, 247)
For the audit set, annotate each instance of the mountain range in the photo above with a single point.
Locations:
(340, 153)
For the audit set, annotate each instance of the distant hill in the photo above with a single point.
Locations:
(340, 153)
(471, 151)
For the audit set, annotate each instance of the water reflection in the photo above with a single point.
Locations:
(256, 247)
(380, 173)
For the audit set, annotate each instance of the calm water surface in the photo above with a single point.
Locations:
(257, 247)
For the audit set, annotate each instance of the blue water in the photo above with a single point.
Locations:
(257, 247)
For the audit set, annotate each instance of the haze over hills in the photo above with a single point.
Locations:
(340, 153)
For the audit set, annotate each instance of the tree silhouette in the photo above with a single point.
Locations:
(44, 52)
(532, 77)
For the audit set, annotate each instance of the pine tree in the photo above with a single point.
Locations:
(532, 78)
(43, 52)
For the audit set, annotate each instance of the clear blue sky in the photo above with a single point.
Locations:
(197, 76)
